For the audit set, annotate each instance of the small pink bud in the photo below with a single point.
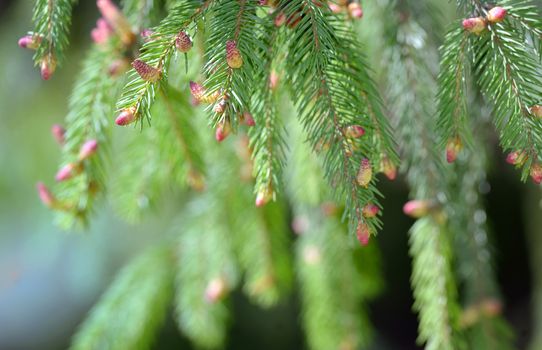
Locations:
(417, 208)
(88, 149)
(370, 210)
(47, 67)
(183, 43)
(248, 119)
(516, 157)
(46, 196)
(126, 116)
(536, 111)
(354, 131)
(67, 172)
(147, 72)
(263, 197)
(388, 168)
(273, 80)
(200, 94)
(453, 147)
(475, 25)
(365, 173)
(58, 134)
(118, 67)
(216, 290)
(536, 173)
(102, 32)
(280, 19)
(354, 10)
(146, 34)
(116, 20)
(29, 42)
(496, 14)
(335, 8)
(363, 233)
(233, 56)
(222, 131)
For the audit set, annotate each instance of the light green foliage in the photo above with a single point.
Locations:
(52, 20)
(433, 284)
(205, 254)
(142, 13)
(90, 109)
(331, 287)
(130, 313)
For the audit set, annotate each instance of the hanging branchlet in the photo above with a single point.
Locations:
(323, 51)
(150, 69)
(52, 21)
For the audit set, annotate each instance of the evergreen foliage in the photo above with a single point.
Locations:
(313, 124)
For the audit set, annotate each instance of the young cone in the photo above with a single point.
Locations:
(126, 116)
(370, 210)
(183, 42)
(536, 111)
(233, 56)
(475, 25)
(453, 147)
(417, 208)
(88, 149)
(147, 72)
(363, 233)
(496, 14)
(536, 173)
(365, 173)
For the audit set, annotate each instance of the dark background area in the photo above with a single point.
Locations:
(49, 279)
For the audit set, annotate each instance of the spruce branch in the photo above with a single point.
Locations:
(323, 86)
(433, 284)
(90, 105)
(131, 311)
(52, 21)
(139, 92)
(267, 136)
(509, 76)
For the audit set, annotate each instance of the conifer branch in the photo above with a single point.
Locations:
(90, 105)
(131, 311)
(432, 280)
(267, 136)
(323, 90)
(330, 287)
(139, 93)
(206, 272)
(52, 21)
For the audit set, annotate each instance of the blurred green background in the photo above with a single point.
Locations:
(49, 279)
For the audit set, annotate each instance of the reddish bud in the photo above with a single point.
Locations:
(222, 131)
(388, 168)
(263, 197)
(536, 173)
(147, 72)
(102, 32)
(47, 67)
(335, 8)
(273, 80)
(215, 290)
(365, 173)
(363, 233)
(516, 157)
(199, 93)
(146, 35)
(475, 25)
(496, 14)
(116, 20)
(453, 147)
(67, 172)
(31, 42)
(88, 149)
(370, 210)
(46, 196)
(183, 43)
(417, 208)
(58, 133)
(280, 19)
(354, 131)
(118, 66)
(233, 56)
(248, 119)
(536, 111)
(354, 10)
(126, 116)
